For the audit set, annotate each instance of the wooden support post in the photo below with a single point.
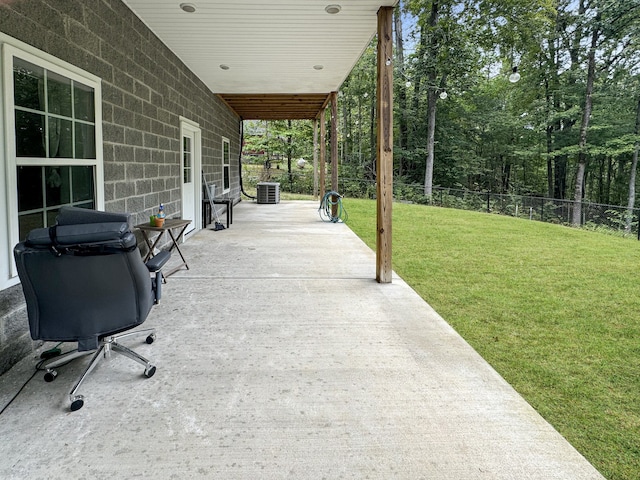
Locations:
(384, 164)
(334, 151)
(315, 158)
(323, 153)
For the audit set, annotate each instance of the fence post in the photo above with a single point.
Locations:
(488, 202)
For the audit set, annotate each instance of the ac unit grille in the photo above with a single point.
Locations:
(268, 192)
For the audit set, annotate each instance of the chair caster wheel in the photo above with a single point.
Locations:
(150, 371)
(50, 376)
(151, 338)
(77, 403)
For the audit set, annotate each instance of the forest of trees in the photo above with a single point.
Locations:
(568, 129)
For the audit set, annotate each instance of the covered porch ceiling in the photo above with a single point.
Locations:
(268, 60)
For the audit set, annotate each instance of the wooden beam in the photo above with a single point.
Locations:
(334, 151)
(384, 164)
(276, 106)
(315, 158)
(326, 102)
(323, 153)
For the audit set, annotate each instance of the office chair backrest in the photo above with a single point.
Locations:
(84, 278)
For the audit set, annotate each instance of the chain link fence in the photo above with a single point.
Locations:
(594, 216)
(614, 219)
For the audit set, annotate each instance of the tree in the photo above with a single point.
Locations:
(401, 89)
(279, 139)
(358, 103)
(610, 24)
(440, 34)
(586, 115)
(564, 127)
(456, 37)
(632, 175)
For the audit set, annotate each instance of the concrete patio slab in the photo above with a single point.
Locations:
(279, 356)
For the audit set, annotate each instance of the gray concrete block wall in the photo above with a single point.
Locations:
(145, 90)
(15, 340)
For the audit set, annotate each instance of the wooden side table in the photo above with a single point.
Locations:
(170, 224)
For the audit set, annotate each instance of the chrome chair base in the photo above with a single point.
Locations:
(105, 347)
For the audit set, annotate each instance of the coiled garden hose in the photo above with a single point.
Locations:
(327, 205)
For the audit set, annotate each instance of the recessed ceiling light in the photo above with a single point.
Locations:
(332, 9)
(188, 7)
(318, 67)
(224, 66)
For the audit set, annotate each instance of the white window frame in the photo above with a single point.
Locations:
(226, 164)
(9, 162)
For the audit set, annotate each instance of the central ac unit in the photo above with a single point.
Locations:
(268, 192)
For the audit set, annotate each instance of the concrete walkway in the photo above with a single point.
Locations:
(279, 356)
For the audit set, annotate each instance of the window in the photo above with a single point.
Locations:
(226, 170)
(186, 159)
(54, 119)
(53, 136)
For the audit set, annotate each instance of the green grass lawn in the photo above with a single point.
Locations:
(554, 309)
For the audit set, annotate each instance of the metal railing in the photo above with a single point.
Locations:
(614, 218)
(595, 216)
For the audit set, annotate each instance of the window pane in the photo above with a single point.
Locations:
(227, 182)
(64, 98)
(89, 205)
(186, 159)
(226, 177)
(57, 186)
(62, 185)
(52, 216)
(60, 138)
(82, 181)
(58, 94)
(83, 103)
(85, 141)
(29, 188)
(28, 81)
(28, 222)
(29, 134)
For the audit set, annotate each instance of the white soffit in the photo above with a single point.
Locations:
(268, 46)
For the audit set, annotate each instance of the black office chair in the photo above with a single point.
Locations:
(84, 281)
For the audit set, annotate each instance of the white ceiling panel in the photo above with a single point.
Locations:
(270, 47)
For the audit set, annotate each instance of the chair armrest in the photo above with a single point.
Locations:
(154, 265)
(157, 262)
